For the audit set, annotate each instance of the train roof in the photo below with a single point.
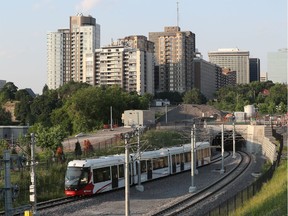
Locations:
(153, 154)
(113, 159)
(199, 145)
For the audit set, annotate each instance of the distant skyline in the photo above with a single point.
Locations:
(258, 26)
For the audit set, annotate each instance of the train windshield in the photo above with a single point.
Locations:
(76, 176)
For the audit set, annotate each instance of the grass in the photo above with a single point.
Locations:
(272, 198)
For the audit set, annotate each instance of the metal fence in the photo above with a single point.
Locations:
(238, 200)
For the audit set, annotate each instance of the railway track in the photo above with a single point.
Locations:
(60, 201)
(191, 203)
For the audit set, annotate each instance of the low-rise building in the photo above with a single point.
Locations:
(131, 118)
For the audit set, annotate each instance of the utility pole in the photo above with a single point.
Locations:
(111, 119)
(127, 177)
(222, 150)
(192, 188)
(166, 112)
(8, 194)
(33, 177)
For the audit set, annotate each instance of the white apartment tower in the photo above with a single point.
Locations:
(58, 65)
(235, 60)
(174, 53)
(129, 63)
(70, 51)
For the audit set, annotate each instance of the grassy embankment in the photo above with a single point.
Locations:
(272, 198)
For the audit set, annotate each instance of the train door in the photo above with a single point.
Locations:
(114, 176)
(182, 161)
(173, 163)
(149, 169)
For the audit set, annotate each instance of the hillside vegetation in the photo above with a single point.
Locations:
(272, 199)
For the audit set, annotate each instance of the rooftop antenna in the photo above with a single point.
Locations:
(177, 14)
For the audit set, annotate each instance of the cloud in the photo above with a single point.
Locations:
(87, 5)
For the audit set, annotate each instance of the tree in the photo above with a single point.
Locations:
(8, 92)
(48, 138)
(5, 117)
(194, 96)
(43, 105)
(22, 108)
(173, 97)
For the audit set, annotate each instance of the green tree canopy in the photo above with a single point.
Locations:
(194, 96)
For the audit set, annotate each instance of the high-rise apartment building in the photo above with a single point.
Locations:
(70, 51)
(128, 63)
(254, 67)
(174, 53)
(58, 57)
(235, 60)
(277, 65)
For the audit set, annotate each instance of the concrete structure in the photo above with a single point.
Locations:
(2, 83)
(254, 67)
(132, 118)
(277, 65)
(129, 63)
(13, 132)
(174, 53)
(69, 51)
(234, 59)
(259, 139)
(250, 111)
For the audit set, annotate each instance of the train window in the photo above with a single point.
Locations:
(101, 174)
(187, 156)
(121, 171)
(176, 159)
(182, 158)
(84, 177)
(159, 163)
(143, 166)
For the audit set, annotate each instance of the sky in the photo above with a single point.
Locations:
(257, 26)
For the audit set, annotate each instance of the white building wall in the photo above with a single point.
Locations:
(54, 60)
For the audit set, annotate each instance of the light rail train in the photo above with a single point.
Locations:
(92, 176)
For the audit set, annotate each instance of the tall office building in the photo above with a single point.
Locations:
(235, 60)
(205, 78)
(69, 51)
(128, 63)
(277, 65)
(254, 67)
(174, 53)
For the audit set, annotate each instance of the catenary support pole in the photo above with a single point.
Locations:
(8, 194)
(192, 188)
(234, 141)
(111, 118)
(139, 187)
(33, 177)
(222, 150)
(127, 177)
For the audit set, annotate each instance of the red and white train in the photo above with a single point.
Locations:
(92, 176)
